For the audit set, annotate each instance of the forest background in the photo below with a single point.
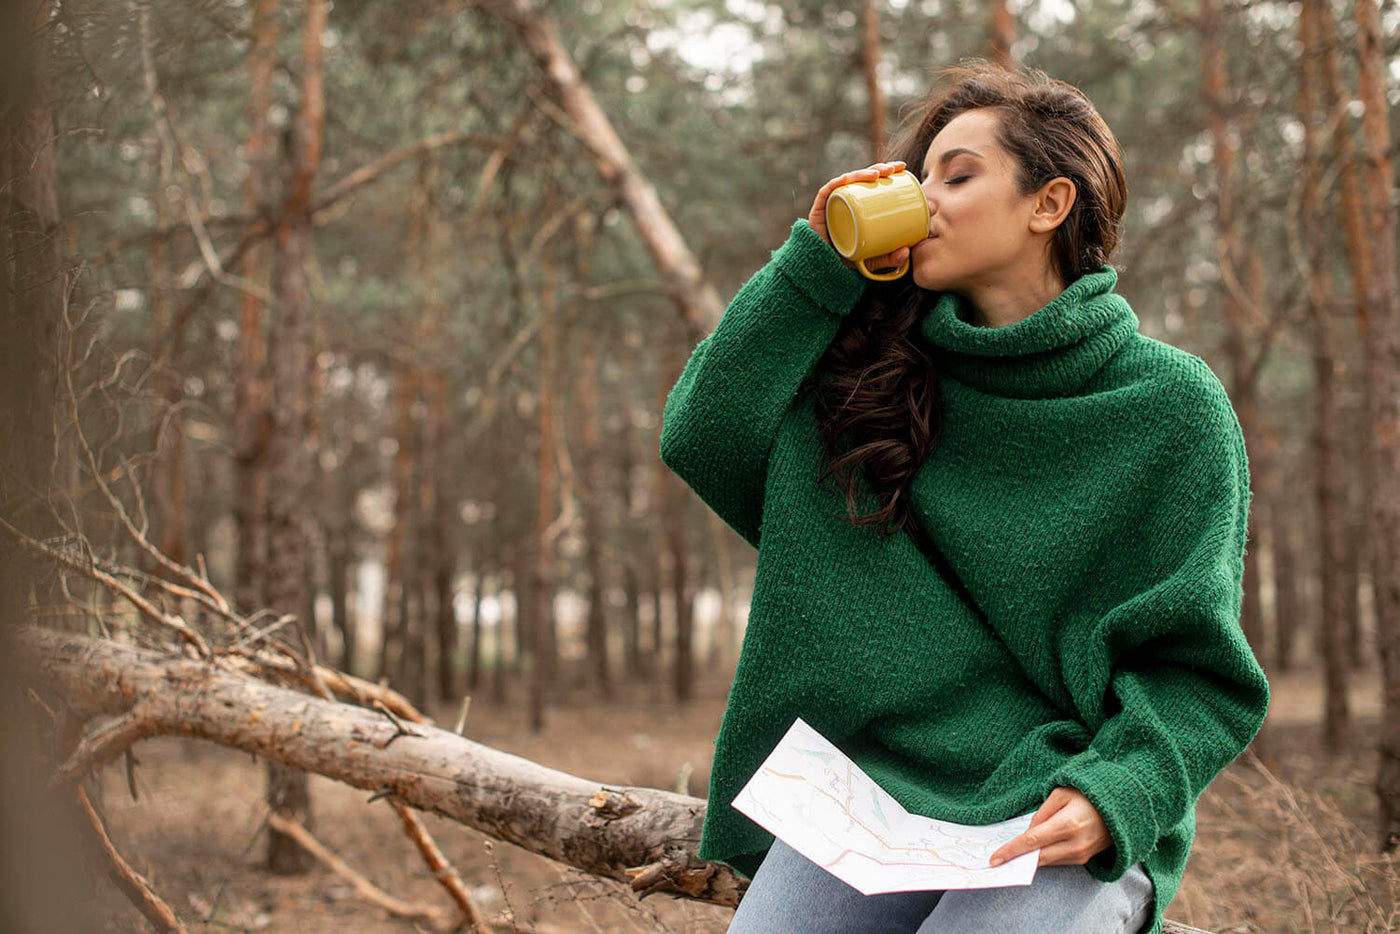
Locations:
(340, 332)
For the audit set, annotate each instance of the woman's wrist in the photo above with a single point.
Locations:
(815, 266)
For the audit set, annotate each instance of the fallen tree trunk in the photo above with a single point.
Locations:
(645, 837)
(642, 836)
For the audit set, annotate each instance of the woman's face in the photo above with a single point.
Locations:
(982, 231)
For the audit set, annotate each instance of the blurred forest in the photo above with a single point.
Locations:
(337, 336)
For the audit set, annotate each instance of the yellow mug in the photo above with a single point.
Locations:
(869, 219)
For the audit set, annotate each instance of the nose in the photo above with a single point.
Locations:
(928, 197)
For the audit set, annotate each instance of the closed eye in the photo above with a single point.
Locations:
(959, 180)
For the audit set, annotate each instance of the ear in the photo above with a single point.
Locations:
(1052, 204)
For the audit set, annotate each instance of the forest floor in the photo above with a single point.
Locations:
(1290, 850)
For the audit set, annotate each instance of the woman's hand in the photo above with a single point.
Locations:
(816, 218)
(1067, 829)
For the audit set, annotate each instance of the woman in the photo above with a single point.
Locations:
(1059, 631)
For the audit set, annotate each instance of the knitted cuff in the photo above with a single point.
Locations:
(1125, 805)
(816, 268)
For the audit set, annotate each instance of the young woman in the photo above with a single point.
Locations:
(1058, 631)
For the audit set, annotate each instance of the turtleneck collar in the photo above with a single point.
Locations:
(1051, 353)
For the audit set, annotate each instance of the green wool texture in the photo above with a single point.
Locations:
(1087, 497)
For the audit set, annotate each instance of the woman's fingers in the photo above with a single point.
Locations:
(1062, 854)
(889, 260)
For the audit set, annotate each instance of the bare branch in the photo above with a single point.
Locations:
(102, 743)
(131, 882)
(443, 870)
(205, 592)
(90, 570)
(365, 174)
(356, 690)
(367, 890)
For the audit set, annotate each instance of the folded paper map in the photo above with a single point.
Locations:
(811, 796)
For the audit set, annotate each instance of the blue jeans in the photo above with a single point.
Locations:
(790, 894)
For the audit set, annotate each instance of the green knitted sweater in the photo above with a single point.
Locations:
(1088, 497)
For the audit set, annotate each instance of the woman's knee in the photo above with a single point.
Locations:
(1060, 899)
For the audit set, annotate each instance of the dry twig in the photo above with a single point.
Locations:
(131, 882)
(367, 890)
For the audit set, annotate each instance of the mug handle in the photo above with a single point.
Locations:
(883, 276)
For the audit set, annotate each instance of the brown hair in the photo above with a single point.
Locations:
(876, 386)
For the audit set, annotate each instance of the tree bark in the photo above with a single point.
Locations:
(683, 598)
(289, 451)
(1329, 466)
(540, 623)
(1288, 600)
(722, 655)
(1243, 369)
(252, 420)
(339, 549)
(589, 459)
(870, 66)
(393, 619)
(671, 506)
(1358, 252)
(167, 480)
(1383, 415)
(437, 559)
(478, 580)
(41, 864)
(1003, 33)
(632, 665)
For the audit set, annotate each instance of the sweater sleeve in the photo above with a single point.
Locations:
(1184, 693)
(723, 413)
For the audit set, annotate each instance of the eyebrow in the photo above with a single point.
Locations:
(943, 159)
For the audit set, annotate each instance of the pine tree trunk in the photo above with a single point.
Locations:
(474, 651)
(722, 656)
(338, 568)
(167, 444)
(589, 458)
(632, 613)
(393, 617)
(1359, 262)
(1287, 596)
(1329, 466)
(1243, 371)
(47, 874)
(31, 289)
(656, 636)
(500, 669)
(446, 616)
(1382, 364)
(659, 503)
(1003, 33)
(1358, 656)
(289, 451)
(671, 503)
(870, 67)
(252, 422)
(632, 618)
(542, 669)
